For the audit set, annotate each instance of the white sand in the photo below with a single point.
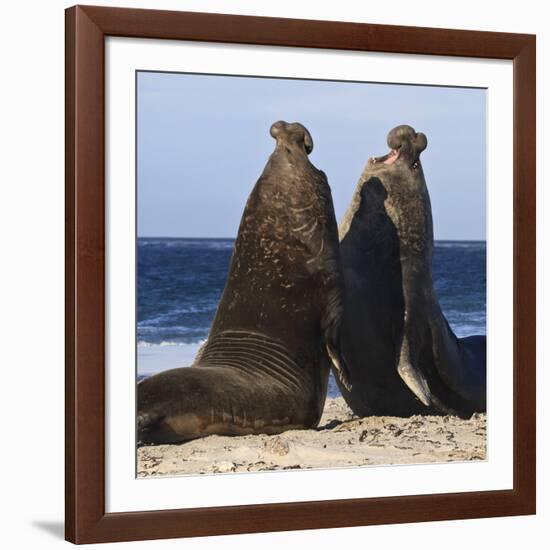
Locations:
(341, 440)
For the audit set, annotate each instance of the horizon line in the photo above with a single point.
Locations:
(233, 238)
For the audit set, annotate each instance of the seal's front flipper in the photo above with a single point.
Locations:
(411, 375)
(415, 382)
(340, 367)
(331, 320)
(331, 324)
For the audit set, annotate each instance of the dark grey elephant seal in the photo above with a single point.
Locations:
(264, 367)
(401, 352)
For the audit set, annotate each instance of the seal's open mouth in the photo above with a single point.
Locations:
(390, 158)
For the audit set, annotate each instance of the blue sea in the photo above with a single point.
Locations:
(180, 282)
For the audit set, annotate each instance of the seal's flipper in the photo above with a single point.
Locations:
(340, 367)
(331, 326)
(145, 423)
(416, 382)
(411, 375)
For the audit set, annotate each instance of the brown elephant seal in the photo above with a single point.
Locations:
(401, 352)
(264, 367)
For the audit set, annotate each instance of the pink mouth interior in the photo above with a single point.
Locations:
(392, 156)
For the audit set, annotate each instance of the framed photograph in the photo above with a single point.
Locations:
(300, 274)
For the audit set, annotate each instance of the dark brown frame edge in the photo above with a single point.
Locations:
(86, 29)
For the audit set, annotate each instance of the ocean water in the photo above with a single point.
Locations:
(180, 282)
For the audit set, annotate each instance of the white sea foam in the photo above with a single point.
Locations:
(154, 358)
(178, 329)
(165, 343)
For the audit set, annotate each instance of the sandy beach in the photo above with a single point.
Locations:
(341, 440)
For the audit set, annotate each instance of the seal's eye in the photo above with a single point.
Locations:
(415, 165)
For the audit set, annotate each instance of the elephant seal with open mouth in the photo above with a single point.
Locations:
(401, 352)
(264, 367)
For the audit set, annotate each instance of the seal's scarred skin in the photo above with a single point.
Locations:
(401, 352)
(264, 367)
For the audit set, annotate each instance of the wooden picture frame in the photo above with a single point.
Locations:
(86, 30)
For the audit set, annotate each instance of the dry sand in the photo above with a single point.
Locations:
(341, 440)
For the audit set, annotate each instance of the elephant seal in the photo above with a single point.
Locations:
(401, 352)
(264, 367)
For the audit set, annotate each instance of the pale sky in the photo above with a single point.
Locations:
(204, 140)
